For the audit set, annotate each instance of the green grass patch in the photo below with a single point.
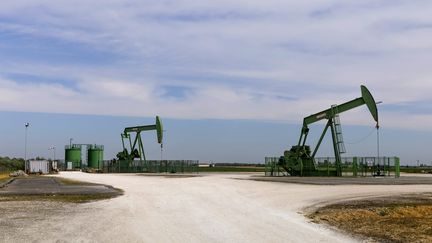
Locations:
(80, 198)
(232, 169)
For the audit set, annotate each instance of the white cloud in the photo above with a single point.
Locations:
(238, 57)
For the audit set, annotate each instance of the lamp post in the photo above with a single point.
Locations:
(378, 141)
(53, 148)
(161, 146)
(25, 146)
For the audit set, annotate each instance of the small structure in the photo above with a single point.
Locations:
(68, 165)
(54, 166)
(204, 165)
(38, 166)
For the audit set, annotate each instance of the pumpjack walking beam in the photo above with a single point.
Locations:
(365, 99)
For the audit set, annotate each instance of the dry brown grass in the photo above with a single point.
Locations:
(386, 222)
(4, 177)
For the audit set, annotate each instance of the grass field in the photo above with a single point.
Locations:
(416, 169)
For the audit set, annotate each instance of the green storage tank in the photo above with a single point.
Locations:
(73, 154)
(95, 156)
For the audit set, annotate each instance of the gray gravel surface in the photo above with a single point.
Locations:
(210, 208)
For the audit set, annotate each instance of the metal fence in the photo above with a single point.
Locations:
(351, 166)
(150, 166)
(272, 167)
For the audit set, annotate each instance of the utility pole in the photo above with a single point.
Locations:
(378, 144)
(25, 146)
(54, 150)
(161, 146)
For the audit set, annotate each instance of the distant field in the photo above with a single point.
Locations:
(232, 169)
(416, 169)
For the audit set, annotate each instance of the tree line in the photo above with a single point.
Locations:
(10, 164)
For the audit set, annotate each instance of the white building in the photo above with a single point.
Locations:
(38, 166)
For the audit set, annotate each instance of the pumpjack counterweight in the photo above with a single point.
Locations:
(299, 161)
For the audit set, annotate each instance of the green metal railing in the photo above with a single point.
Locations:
(150, 166)
(272, 168)
(351, 166)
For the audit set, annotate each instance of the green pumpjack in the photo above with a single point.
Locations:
(299, 161)
(137, 147)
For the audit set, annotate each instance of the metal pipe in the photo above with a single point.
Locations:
(321, 138)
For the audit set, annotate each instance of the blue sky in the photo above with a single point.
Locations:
(251, 64)
(215, 140)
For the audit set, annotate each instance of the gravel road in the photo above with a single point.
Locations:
(208, 208)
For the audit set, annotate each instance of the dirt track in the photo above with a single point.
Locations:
(211, 208)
